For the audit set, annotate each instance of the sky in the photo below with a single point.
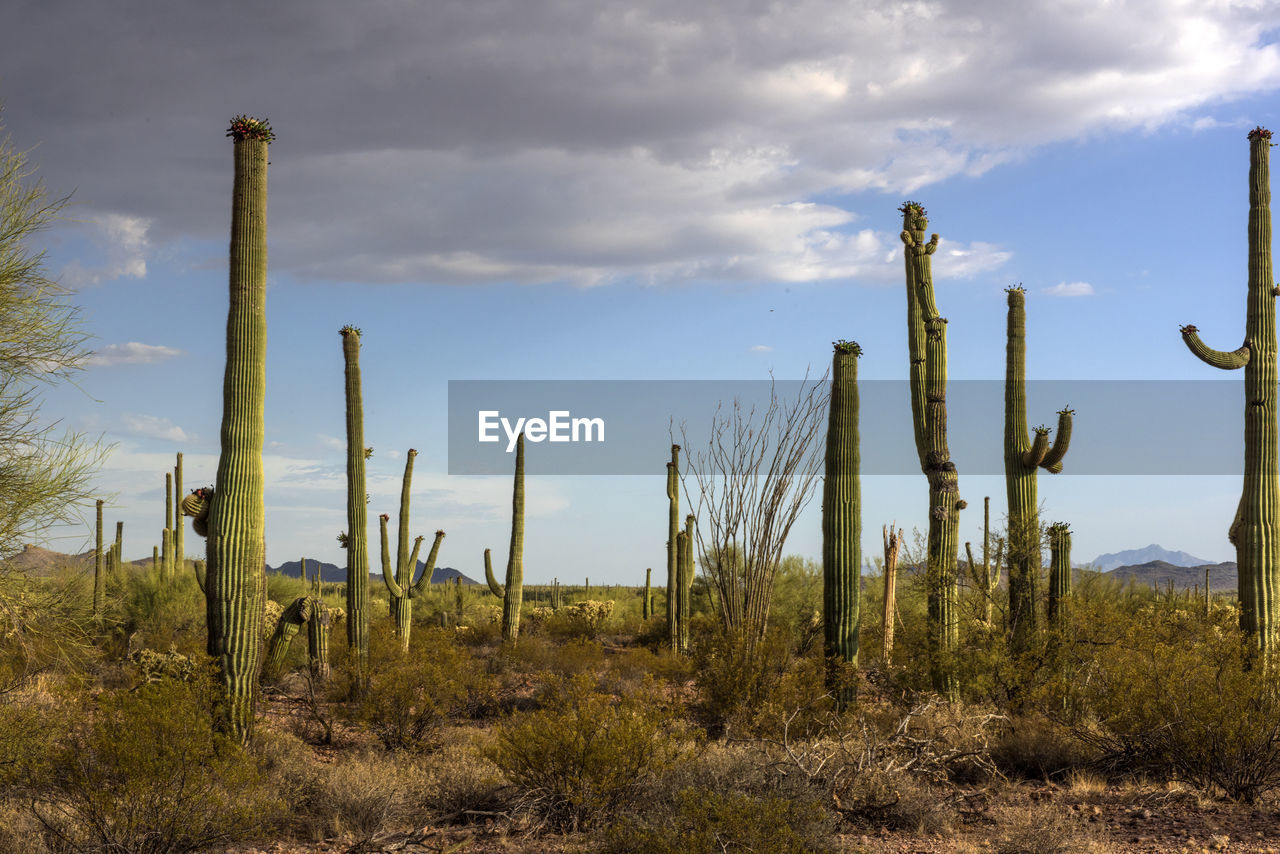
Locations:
(608, 190)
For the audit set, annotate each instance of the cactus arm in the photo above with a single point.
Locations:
(1227, 360)
(424, 580)
(1052, 461)
(198, 567)
(286, 629)
(494, 587)
(973, 567)
(1038, 450)
(388, 576)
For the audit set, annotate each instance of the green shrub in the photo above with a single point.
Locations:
(585, 754)
(706, 821)
(143, 772)
(411, 696)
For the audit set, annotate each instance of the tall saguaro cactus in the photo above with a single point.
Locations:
(166, 536)
(99, 569)
(1254, 531)
(927, 346)
(1059, 573)
(235, 576)
(1023, 457)
(842, 524)
(179, 546)
(987, 579)
(399, 581)
(357, 541)
(673, 549)
(513, 595)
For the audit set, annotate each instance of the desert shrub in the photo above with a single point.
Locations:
(410, 696)
(144, 772)
(562, 658)
(753, 687)
(1033, 747)
(581, 619)
(1042, 829)
(160, 615)
(47, 625)
(708, 821)
(154, 666)
(584, 754)
(461, 784)
(1180, 697)
(363, 794)
(893, 798)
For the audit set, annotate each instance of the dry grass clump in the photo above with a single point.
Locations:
(1043, 829)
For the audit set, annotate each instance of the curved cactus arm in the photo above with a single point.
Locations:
(387, 575)
(1038, 450)
(428, 569)
(978, 581)
(286, 628)
(1227, 360)
(494, 587)
(198, 566)
(1052, 461)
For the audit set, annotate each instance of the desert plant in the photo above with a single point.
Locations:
(236, 549)
(1254, 531)
(178, 540)
(1059, 573)
(489, 578)
(673, 549)
(927, 344)
(842, 524)
(356, 539)
(399, 580)
(99, 569)
(513, 595)
(1023, 457)
(987, 579)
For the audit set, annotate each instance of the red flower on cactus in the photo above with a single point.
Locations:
(247, 127)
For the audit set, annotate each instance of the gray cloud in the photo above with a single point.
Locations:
(547, 140)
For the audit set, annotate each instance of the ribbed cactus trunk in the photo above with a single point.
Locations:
(647, 604)
(1254, 530)
(927, 346)
(684, 574)
(1059, 574)
(357, 541)
(117, 562)
(99, 568)
(673, 529)
(179, 524)
(399, 582)
(1023, 457)
(842, 526)
(513, 595)
(166, 536)
(235, 574)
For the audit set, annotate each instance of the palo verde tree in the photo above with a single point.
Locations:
(927, 344)
(44, 476)
(1254, 531)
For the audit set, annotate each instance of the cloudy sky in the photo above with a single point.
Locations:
(559, 189)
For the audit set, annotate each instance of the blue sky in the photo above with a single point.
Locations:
(610, 190)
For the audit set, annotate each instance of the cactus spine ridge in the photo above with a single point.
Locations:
(842, 525)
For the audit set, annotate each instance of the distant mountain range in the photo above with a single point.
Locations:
(38, 561)
(1136, 557)
(1222, 576)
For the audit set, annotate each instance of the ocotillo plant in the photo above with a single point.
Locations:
(1022, 458)
(514, 593)
(179, 544)
(1254, 531)
(99, 569)
(987, 579)
(494, 587)
(927, 345)
(842, 525)
(1059, 573)
(399, 579)
(356, 539)
(673, 528)
(235, 580)
(892, 546)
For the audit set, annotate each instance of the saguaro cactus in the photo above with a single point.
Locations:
(514, 593)
(235, 581)
(647, 604)
(1254, 530)
(166, 536)
(1022, 458)
(927, 345)
(99, 570)
(673, 528)
(892, 545)
(356, 539)
(490, 579)
(179, 544)
(400, 583)
(1059, 573)
(684, 577)
(842, 524)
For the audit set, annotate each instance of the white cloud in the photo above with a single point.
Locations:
(1070, 289)
(154, 427)
(762, 348)
(124, 244)
(133, 353)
